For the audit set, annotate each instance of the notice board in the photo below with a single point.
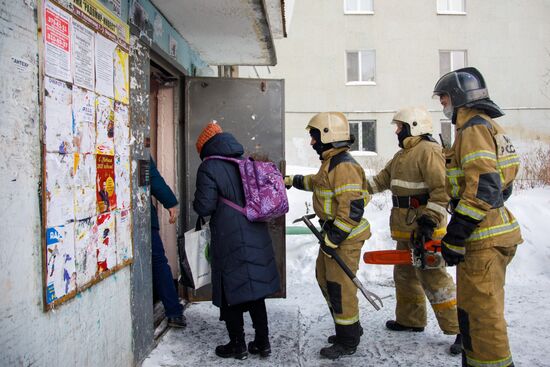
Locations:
(85, 124)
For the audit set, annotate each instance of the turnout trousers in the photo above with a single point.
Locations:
(480, 291)
(413, 285)
(340, 292)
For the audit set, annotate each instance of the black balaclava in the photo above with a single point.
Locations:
(319, 147)
(403, 134)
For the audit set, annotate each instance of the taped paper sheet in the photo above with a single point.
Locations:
(60, 262)
(59, 189)
(58, 119)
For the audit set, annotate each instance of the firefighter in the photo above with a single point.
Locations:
(339, 198)
(482, 235)
(416, 178)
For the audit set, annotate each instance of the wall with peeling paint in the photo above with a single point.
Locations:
(93, 329)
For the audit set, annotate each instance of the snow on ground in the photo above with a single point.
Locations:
(300, 324)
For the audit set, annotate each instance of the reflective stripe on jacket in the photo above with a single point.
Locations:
(486, 156)
(417, 169)
(340, 195)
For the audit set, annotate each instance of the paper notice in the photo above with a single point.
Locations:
(122, 83)
(105, 183)
(59, 189)
(84, 122)
(105, 126)
(106, 247)
(123, 236)
(123, 182)
(122, 128)
(60, 263)
(104, 66)
(85, 250)
(84, 185)
(58, 116)
(57, 42)
(83, 55)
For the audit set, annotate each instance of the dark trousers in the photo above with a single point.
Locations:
(233, 317)
(163, 283)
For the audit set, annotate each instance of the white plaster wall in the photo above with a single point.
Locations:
(506, 40)
(95, 328)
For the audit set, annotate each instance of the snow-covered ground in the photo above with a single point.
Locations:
(300, 324)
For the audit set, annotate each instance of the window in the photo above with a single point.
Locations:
(358, 7)
(361, 67)
(451, 7)
(452, 60)
(365, 135)
(447, 132)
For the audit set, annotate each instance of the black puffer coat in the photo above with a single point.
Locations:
(243, 261)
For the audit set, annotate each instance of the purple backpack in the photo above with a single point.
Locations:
(264, 189)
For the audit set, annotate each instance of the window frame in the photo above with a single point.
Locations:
(451, 67)
(358, 12)
(359, 138)
(450, 12)
(359, 82)
(446, 121)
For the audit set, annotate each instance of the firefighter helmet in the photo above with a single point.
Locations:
(334, 126)
(418, 119)
(463, 86)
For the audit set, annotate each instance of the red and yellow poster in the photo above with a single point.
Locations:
(105, 179)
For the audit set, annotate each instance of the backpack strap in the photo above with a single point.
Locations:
(238, 208)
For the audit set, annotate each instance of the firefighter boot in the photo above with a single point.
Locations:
(337, 350)
(236, 348)
(332, 339)
(456, 347)
(264, 350)
(347, 340)
(395, 326)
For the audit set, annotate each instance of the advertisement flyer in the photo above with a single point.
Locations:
(84, 120)
(83, 55)
(104, 66)
(105, 183)
(60, 264)
(106, 247)
(57, 42)
(122, 81)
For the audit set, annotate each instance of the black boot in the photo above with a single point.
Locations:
(264, 350)
(236, 348)
(332, 339)
(456, 347)
(337, 350)
(395, 326)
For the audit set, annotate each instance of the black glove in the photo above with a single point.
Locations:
(425, 229)
(452, 245)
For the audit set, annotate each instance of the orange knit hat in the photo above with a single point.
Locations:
(208, 132)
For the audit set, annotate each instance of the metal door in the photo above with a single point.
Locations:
(253, 111)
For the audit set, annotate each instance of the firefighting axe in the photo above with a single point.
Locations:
(371, 297)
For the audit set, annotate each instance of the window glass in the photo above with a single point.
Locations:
(369, 136)
(450, 6)
(452, 60)
(353, 66)
(367, 66)
(358, 6)
(354, 130)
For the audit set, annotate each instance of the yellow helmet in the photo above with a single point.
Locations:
(418, 119)
(334, 126)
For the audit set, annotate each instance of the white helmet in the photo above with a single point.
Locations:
(334, 126)
(418, 119)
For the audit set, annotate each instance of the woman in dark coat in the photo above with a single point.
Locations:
(244, 271)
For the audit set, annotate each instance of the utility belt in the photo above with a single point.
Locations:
(413, 201)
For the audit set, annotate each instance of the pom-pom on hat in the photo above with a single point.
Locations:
(208, 132)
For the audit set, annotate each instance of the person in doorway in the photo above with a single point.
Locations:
(482, 235)
(163, 282)
(244, 271)
(339, 198)
(416, 177)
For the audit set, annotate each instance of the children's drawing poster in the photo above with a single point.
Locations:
(122, 82)
(85, 203)
(106, 247)
(57, 42)
(84, 120)
(123, 182)
(105, 183)
(85, 251)
(123, 236)
(122, 128)
(58, 119)
(59, 189)
(105, 126)
(60, 262)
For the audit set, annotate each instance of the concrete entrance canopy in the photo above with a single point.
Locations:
(228, 32)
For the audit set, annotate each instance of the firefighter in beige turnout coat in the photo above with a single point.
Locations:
(339, 198)
(482, 235)
(416, 178)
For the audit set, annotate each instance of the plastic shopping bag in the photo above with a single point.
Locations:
(197, 246)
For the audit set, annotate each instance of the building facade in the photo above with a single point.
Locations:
(369, 58)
